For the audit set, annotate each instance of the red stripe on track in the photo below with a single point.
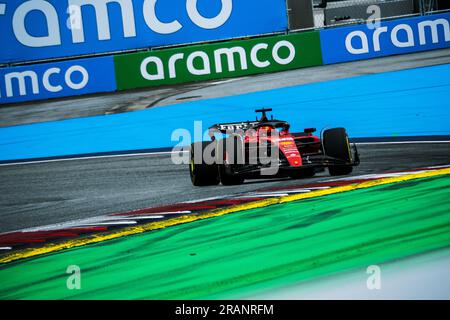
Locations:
(198, 206)
(44, 236)
(316, 185)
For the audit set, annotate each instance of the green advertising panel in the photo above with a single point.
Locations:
(218, 60)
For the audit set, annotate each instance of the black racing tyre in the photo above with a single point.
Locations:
(226, 170)
(202, 174)
(340, 170)
(336, 145)
(302, 174)
(229, 179)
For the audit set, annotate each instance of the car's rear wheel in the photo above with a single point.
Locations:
(228, 178)
(231, 162)
(336, 145)
(202, 173)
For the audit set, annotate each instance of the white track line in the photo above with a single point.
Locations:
(227, 81)
(145, 217)
(263, 195)
(439, 167)
(96, 220)
(207, 199)
(175, 152)
(380, 176)
(126, 217)
(107, 223)
(402, 142)
(320, 188)
(157, 214)
(268, 193)
(90, 158)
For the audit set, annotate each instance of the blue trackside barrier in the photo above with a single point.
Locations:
(37, 30)
(398, 36)
(57, 79)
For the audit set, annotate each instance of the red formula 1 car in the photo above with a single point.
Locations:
(266, 149)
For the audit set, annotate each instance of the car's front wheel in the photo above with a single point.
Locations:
(336, 145)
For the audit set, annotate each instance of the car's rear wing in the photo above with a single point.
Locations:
(232, 127)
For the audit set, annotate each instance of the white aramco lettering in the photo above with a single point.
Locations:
(84, 80)
(364, 42)
(2, 9)
(102, 18)
(435, 30)
(159, 69)
(21, 79)
(229, 54)
(198, 63)
(254, 55)
(53, 38)
(48, 81)
(276, 54)
(209, 23)
(76, 12)
(205, 61)
(409, 35)
(153, 22)
(172, 64)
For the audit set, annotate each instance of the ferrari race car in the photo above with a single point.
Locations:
(267, 149)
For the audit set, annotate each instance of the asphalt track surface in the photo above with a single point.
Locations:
(33, 195)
